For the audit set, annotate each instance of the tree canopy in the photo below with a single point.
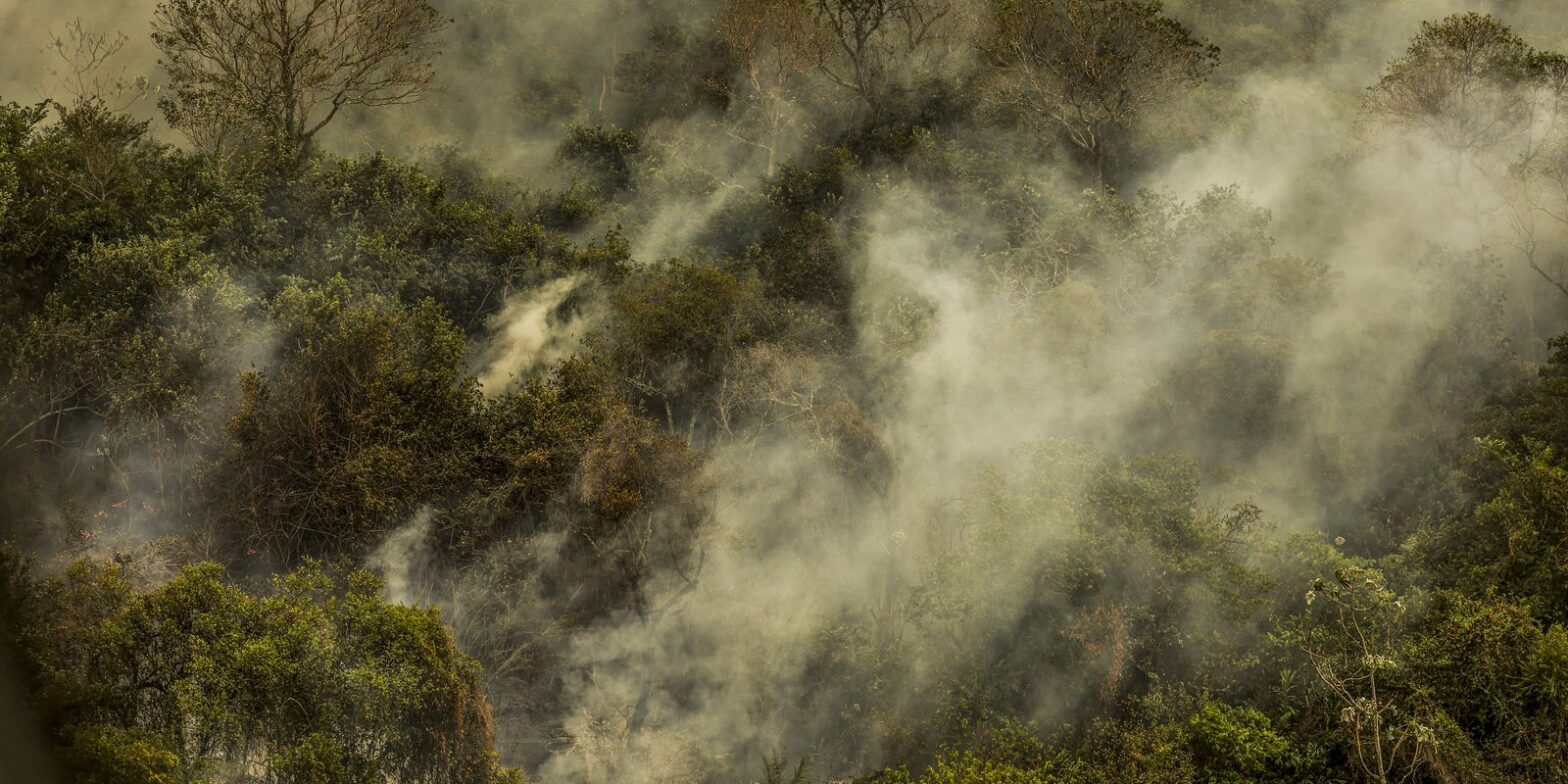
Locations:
(874, 391)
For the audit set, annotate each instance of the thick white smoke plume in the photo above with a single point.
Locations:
(529, 334)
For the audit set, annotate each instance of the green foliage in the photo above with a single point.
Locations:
(104, 754)
(1236, 744)
(775, 772)
(274, 356)
(392, 228)
(674, 74)
(92, 176)
(532, 446)
(1158, 753)
(1144, 513)
(136, 332)
(971, 769)
(677, 324)
(320, 680)
(1531, 411)
(1512, 540)
(364, 415)
(128, 357)
(603, 155)
(803, 262)
(1488, 665)
(1351, 635)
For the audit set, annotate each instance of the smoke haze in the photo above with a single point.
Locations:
(1274, 294)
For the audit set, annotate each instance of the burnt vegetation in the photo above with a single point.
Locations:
(891, 391)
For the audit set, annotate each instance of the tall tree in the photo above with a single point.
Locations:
(1088, 67)
(1352, 643)
(1464, 79)
(1478, 89)
(285, 68)
(777, 44)
(874, 39)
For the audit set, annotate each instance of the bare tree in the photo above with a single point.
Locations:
(769, 388)
(1088, 67)
(1535, 188)
(777, 44)
(84, 55)
(285, 68)
(873, 39)
(1352, 648)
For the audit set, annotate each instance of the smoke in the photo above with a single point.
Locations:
(44, 53)
(529, 333)
(403, 559)
(1295, 259)
(1383, 265)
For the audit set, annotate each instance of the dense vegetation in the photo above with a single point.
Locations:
(939, 391)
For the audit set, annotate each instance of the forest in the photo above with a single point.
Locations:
(784, 391)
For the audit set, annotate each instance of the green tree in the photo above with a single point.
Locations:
(120, 377)
(606, 157)
(675, 327)
(1478, 89)
(320, 680)
(1513, 539)
(365, 415)
(1488, 665)
(90, 176)
(1464, 79)
(406, 231)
